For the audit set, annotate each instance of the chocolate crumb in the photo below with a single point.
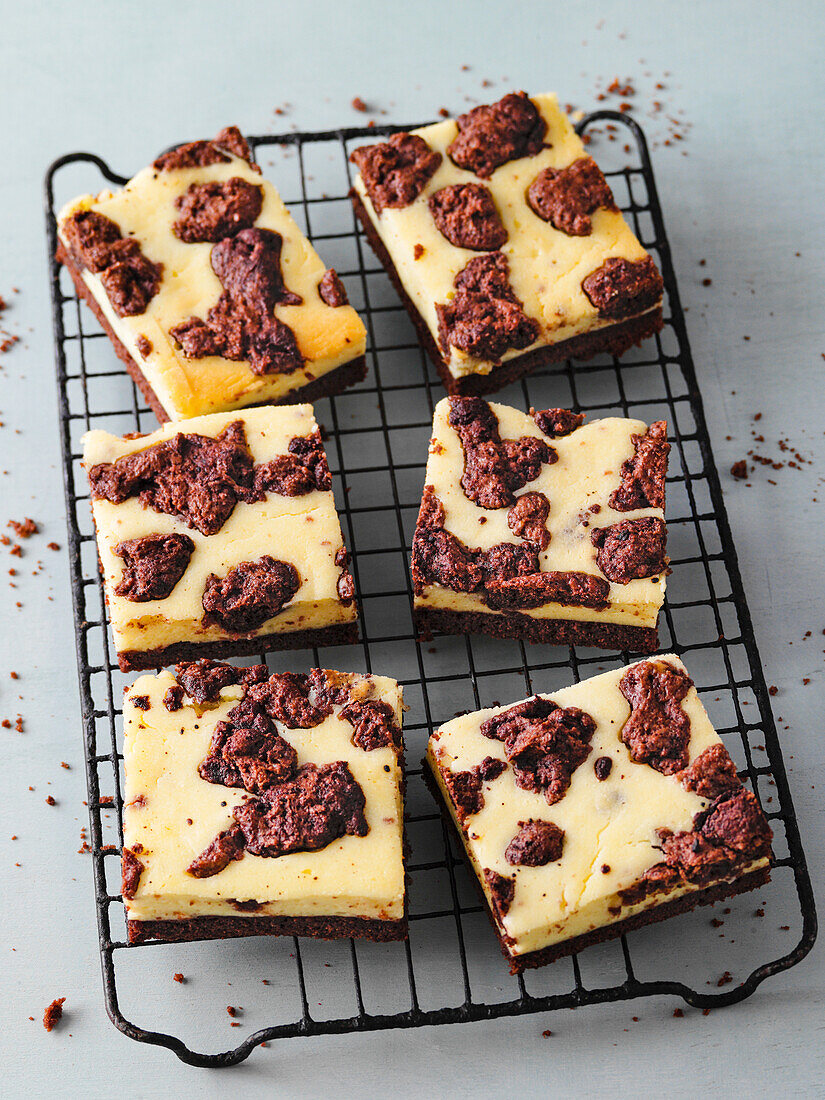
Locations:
(179, 978)
(53, 1014)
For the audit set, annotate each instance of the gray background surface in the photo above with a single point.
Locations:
(745, 82)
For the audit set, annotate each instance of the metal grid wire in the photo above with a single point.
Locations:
(450, 970)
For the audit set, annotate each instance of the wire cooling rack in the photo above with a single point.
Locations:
(451, 969)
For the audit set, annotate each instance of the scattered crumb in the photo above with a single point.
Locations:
(546, 1034)
(726, 979)
(179, 978)
(678, 1013)
(51, 800)
(739, 470)
(359, 105)
(23, 530)
(52, 1015)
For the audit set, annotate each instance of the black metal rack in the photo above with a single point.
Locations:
(450, 971)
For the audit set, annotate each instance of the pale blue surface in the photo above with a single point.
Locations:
(126, 79)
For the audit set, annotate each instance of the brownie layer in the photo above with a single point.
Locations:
(531, 960)
(224, 928)
(335, 381)
(512, 624)
(611, 340)
(338, 634)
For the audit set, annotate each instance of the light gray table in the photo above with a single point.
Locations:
(125, 80)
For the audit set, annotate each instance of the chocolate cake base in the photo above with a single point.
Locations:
(611, 340)
(334, 381)
(131, 660)
(545, 955)
(512, 624)
(224, 928)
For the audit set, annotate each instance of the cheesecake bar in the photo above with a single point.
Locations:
(540, 527)
(212, 296)
(219, 536)
(263, 804)
(597, 809)
(504, 241)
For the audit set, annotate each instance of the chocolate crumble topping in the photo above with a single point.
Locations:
(507, 575)
(528, 519)
(241, 325)
(643, 475)
(173, 699)
(141, 702)
(632, 549)
(374, 725)
(571, 589)
(252, 757)
(304, 813)
(441, 557)
(502, 891)
(152, 566)
(566, 197)
(544, 743)
(557, 422)
(249, 594)
(196, 478)
(129, 278)
(491, 135)
(226, 847)
(536, 844)
(465, 786)
(302, 470)
(712, 774)
(217, 209)
(144, 346)
(621, 288)
(331, 290)
(132, 870)
(466, 215)
(485, 319)
(494, 468)
(658, 729)
(725, 838)
(396, 171)
(200, 154)
(203, 680)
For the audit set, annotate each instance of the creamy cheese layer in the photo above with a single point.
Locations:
(303, 531)
(586, 474)
(145, 209)
(177, 815)
(546, 265)
(610, 826)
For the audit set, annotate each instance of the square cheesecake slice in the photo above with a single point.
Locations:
(263, 804)
(219, 536)
(212, 296)
(537, 526)
(503, 239)
(597, 809)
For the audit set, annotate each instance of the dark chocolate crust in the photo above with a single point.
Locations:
(334, 381)
(534, 959)
(611, 339)
(131, 660)
(512, 624)
(224, 928)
